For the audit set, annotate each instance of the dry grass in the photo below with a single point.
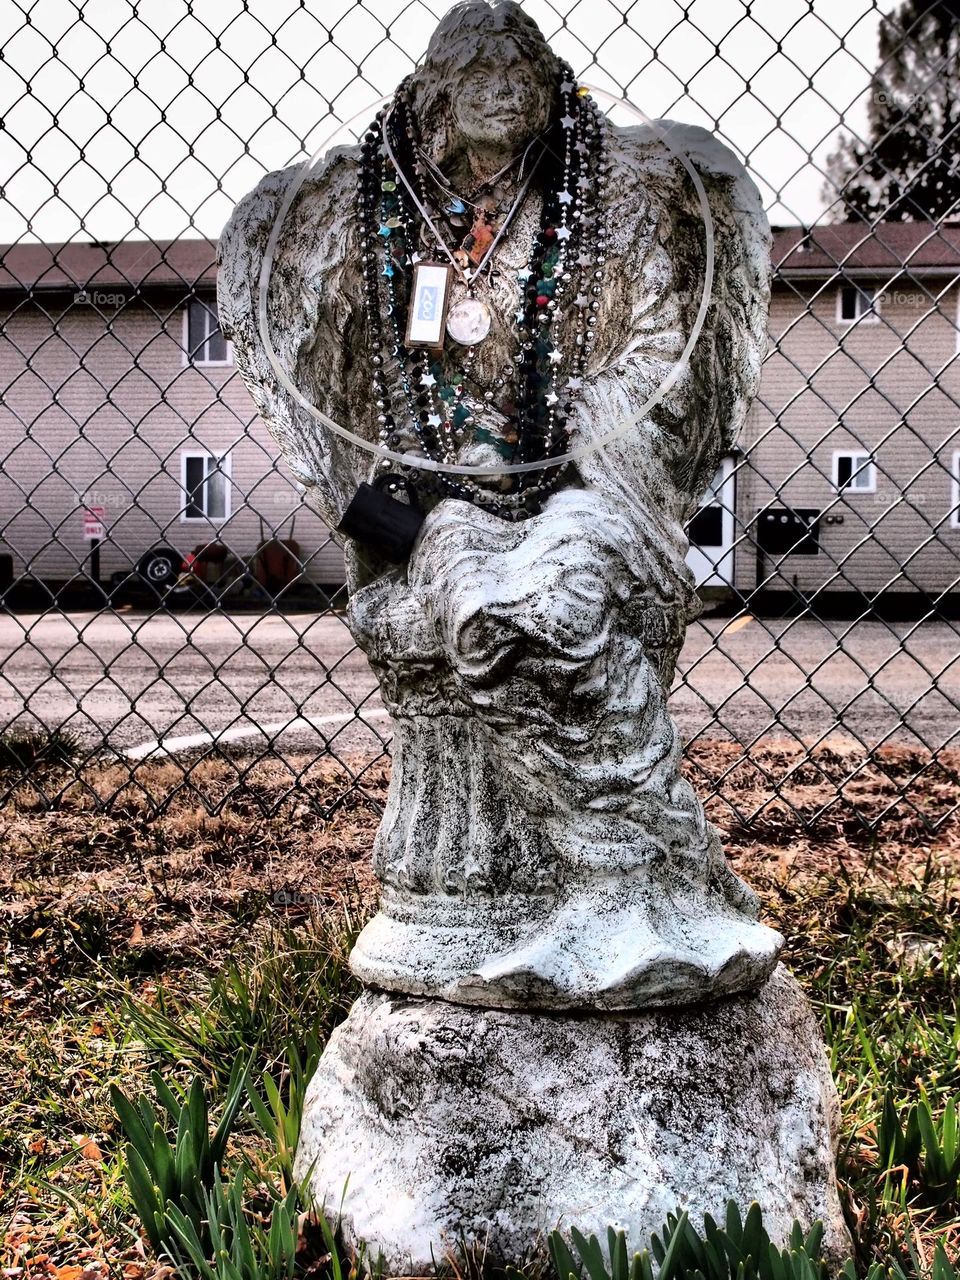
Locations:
(107, 895)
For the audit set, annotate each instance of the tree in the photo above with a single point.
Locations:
(908, 167)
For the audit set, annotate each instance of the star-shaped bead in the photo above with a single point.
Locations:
(583, 183)
(552, 398)
(584, 260)
(428, 380)
(524, 275)
(581, 148)
(384, 230)
(563, 233)
(582, 301)
(568, 122)
(434, 420)
(567, 87)
(565, 197)
(555, 356)
(575, 384)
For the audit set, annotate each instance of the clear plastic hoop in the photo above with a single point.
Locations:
(448, 468)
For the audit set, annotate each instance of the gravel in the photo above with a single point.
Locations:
(131, 679)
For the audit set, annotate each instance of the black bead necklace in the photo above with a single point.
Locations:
(559, 298)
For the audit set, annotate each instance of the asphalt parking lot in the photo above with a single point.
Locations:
(131, 681)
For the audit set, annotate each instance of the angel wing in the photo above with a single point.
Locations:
(312, 327)
(658, 236)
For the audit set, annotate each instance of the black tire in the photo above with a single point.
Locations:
(159, 568)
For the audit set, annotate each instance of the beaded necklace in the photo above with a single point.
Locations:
(553, 338)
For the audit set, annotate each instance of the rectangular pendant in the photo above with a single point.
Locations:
(429, 301)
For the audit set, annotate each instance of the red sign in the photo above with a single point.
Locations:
(93, 523)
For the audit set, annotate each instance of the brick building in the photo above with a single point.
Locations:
(120, 393)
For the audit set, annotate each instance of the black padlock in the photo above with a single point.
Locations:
(381, 522)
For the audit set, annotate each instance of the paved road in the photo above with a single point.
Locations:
(135, 679)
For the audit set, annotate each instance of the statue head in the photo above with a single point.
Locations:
(488, 81)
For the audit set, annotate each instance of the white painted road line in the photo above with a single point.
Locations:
(157, 748)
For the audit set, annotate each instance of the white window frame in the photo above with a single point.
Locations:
(187, 357)
(870, 468)
(716, 565)
(871, 315)
(224, 464)
(955, 491)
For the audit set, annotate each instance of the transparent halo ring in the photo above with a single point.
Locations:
(449, 468)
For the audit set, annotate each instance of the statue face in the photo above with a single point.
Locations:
(500, 101)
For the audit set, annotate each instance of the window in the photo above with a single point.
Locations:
(955, 491)
(706, 528)
(857, 302)
(711, 530)
(854, 471)
(206, 486)
(203, 341)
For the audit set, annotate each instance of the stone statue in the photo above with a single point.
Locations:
(541, 852)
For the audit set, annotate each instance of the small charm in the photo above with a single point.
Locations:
(479, 239)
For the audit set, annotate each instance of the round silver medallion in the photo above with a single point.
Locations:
(468, 321)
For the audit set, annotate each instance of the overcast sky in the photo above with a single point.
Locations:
(126, 119)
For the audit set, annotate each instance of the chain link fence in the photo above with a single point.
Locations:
(168, 595)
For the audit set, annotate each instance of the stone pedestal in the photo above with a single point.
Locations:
(450, 1125)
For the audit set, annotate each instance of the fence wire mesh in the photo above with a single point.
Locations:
(168, 595)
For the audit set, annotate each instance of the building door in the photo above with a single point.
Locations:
(711, 531)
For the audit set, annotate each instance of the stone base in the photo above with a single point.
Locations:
(456, 1125)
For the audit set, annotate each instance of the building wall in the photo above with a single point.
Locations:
(891, 387)
(99, 412)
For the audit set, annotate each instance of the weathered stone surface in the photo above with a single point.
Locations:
(457, 1124)
(540, 844)
(541, 849)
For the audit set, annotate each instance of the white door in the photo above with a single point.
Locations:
(711, 531)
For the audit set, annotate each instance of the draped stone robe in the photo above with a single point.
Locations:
(540, 847)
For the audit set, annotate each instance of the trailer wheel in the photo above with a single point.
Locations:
(159, 567)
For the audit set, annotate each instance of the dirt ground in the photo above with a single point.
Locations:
(105, 894)
(176, 882)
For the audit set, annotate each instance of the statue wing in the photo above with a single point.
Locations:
(316, 271)
(656, 230)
